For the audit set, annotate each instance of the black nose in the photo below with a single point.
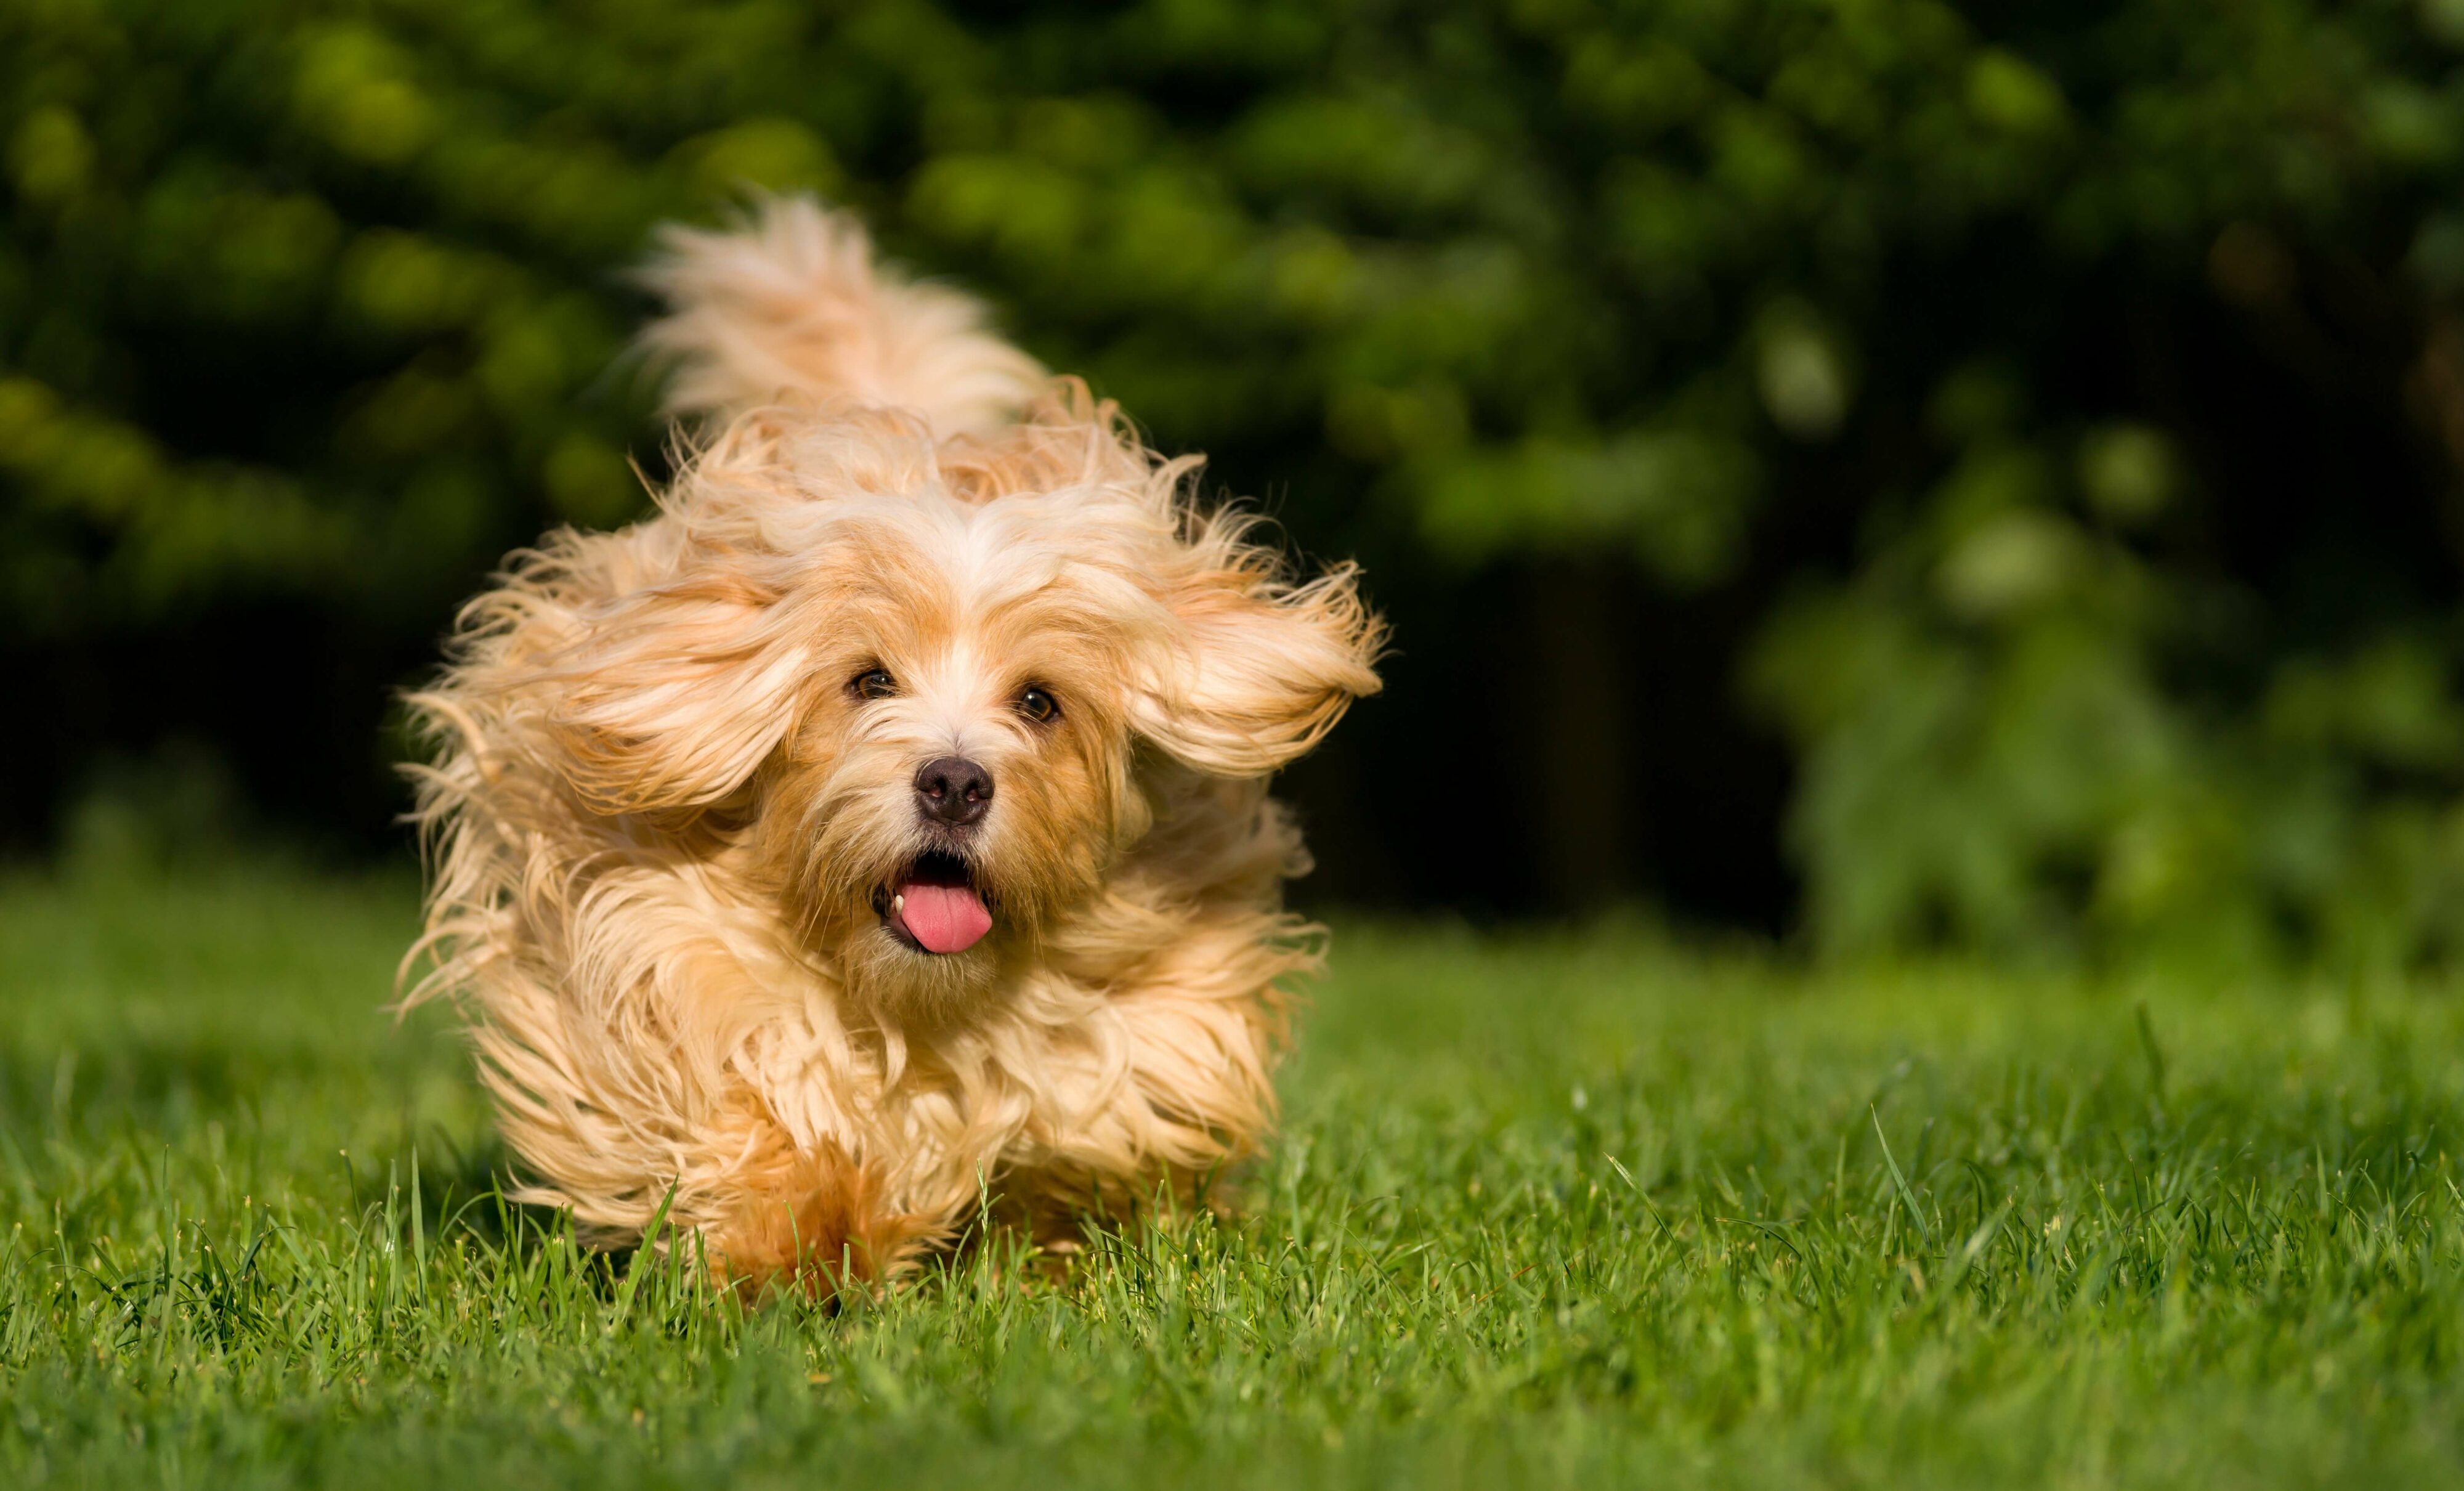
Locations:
(954, 790)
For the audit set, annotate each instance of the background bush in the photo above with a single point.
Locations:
(1910, 471)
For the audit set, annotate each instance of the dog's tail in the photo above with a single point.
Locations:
(790, 304)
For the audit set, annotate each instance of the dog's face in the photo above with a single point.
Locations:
(923, 696)
(961, 770)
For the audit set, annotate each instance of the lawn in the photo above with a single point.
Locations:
(1549, 1210)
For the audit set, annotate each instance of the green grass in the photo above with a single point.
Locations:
(1549, 1211)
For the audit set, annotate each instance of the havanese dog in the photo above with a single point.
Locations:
(877, 836)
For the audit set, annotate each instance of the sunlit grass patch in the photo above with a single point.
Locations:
(1547, 1209)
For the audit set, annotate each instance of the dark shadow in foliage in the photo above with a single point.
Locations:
(225, 1300)
(451, 1188)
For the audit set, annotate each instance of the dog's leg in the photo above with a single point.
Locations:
(817, 1224)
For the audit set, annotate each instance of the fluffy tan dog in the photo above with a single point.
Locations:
(882, 827)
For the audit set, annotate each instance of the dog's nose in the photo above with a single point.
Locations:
(954, 790)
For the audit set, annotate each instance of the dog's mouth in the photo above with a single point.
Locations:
(933, 906)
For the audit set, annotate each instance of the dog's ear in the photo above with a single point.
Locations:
(671, 697)
(1264, 668)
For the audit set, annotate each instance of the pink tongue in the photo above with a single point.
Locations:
(944, 918)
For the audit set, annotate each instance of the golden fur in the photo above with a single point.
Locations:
(659, 817)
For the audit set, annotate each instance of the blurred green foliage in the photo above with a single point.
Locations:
(325, 300)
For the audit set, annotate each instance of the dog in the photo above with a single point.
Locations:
(876, 837)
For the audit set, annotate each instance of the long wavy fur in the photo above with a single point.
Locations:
(656, 818)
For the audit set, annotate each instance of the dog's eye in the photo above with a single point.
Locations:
(1039, 706)
(872, 683)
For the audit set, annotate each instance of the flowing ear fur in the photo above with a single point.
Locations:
(671, 698)
(1267, 667)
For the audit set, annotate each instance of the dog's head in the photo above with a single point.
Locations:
(924, 688)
